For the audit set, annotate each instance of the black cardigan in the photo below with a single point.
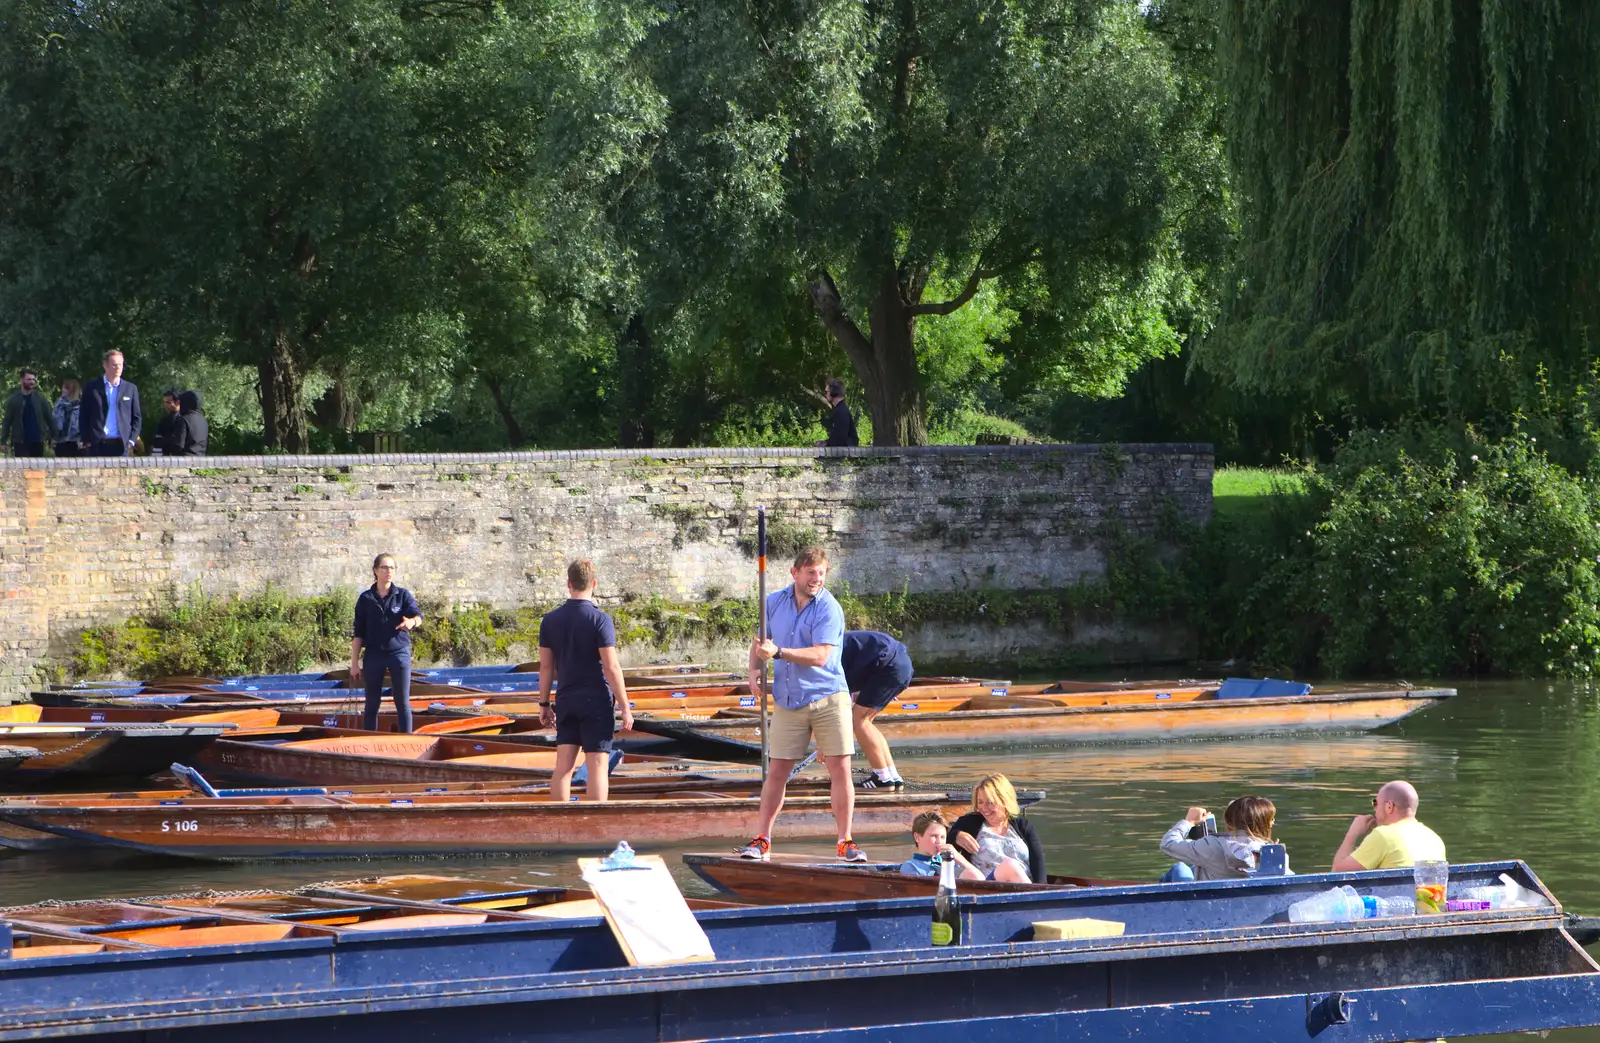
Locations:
(972, 821)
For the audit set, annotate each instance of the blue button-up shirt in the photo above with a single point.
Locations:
(113, 419)
(821, 622)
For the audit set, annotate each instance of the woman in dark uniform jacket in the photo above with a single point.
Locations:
(381, 640)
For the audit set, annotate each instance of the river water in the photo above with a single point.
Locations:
(1505, 770)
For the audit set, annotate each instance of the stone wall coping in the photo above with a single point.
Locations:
(574, 455)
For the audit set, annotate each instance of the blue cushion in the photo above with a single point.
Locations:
(1264, 688)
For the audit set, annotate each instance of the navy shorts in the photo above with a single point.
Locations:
(585, 719)
(884, 683)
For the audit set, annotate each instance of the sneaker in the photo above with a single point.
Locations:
(848, 851)
(759, 849)
(872, 782)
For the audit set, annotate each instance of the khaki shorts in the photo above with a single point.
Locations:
(827, 718)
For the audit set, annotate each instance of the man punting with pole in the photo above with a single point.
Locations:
(802, 635)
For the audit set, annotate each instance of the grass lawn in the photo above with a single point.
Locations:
(1243, 492)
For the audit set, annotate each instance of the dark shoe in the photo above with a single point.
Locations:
(873, 783)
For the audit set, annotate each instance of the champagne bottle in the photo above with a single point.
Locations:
(946, 917)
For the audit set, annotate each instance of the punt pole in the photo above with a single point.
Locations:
(761, 600)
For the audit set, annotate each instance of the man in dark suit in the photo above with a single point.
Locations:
(109, 417)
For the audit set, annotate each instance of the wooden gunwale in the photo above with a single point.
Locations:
(975, 720)
(229, 829)
(440, 759)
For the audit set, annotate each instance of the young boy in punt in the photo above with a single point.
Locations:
(928, 833)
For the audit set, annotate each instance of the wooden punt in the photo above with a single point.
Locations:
(1198, 963)
(426, 696)
(101, 751)
(13, 756)
(295, 827)
(337, 756)
(21, 838)
(345, 914)
(464, 893)
(176, 923)
(37, 943)
(813, 878)
(1124, 717)
(258, 717)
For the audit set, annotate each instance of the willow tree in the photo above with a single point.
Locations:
(1420, 215)
(900, 157)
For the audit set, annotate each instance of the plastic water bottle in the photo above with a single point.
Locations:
(1375, 906)
(621, 856)
(1338, 903)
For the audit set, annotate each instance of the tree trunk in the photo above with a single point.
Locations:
(338, 409)
(497, 392)
(895, 397)
(636, 385)
(283, 413)
(886, 362)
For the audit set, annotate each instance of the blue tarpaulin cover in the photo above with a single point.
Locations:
(1264, 688)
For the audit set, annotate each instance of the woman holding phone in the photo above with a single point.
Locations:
(1219, 856)
(381, 641)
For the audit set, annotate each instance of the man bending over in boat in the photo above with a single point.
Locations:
(877, 668)
(928, 832)
(805, 632)
(578, 644)
(1394, 837)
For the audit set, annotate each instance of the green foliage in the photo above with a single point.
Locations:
(263, 633)
(663, 625)
(785, 539)
(1040, 157)
(359, 195)
(1418, 210)
(1408, 557)
(272, 633)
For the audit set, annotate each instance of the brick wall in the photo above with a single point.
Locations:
(83, 541)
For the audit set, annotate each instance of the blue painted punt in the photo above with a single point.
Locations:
(1201, 963)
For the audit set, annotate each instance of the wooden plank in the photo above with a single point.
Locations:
(647, 912)
(419, 921)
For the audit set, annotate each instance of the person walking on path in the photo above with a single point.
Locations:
(109, 420)
(66, 418)
(385, 616)
(28, 421)
(578, 648)
(877, 668)
(1394, 837)
(841, 424)
(804, 641)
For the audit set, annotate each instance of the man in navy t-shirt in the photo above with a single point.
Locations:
(578, 647)
(877, 668)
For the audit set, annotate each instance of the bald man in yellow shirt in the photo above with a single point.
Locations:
(1394, 837)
